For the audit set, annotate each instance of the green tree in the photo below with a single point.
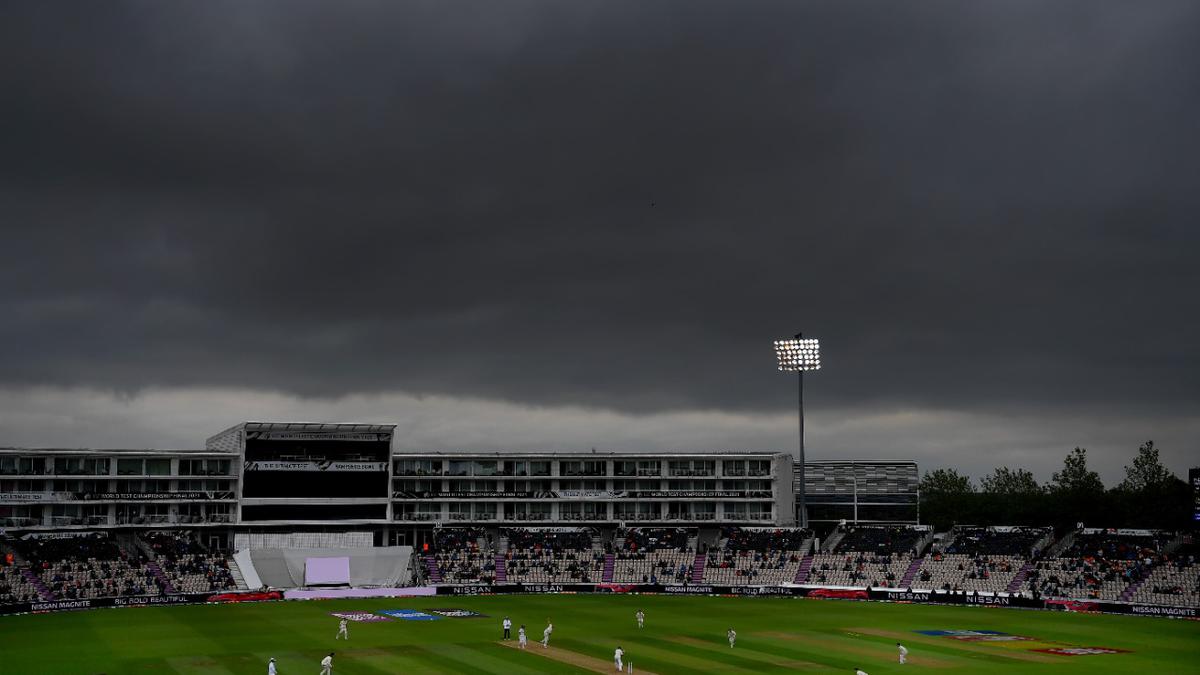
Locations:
(946, 482)
(1005, 481)
(1076, 494)
(946, 498)
(1076, 477)
(1147, 472)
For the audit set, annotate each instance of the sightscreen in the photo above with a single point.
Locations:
(326, 571)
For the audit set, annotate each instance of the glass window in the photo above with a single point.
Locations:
(518, 468)
(460, 467)
(158, 467)
(624, 468)
(482, 468)
(129, 467)
(539, 468)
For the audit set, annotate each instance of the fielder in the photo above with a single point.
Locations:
(546, 634)
(271, 667)
(507, 628)
(732, 635)
(617, 659)
(641, 617)
(343, 630)
(521, 639)
(859, 671)
(903, 652)
(327, 665)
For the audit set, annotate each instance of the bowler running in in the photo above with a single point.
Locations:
(617, 659)
(641, 618)
(546, 634)
(903, 652)
(327, 665)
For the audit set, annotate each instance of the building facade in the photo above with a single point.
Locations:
(270, 476)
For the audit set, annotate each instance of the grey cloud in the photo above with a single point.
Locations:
(984, 207)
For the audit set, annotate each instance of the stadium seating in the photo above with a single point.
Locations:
(983, 559)
(756, 556)
(188, 567)
(1175, 580)
(647, 555)
(860, 569)
(1098, 565)
(14, 587)
(551, 556)
(88, 566)
(881, 540)
(460, 559)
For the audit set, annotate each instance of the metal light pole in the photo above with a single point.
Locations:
(799, 355)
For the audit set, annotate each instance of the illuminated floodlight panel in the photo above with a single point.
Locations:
(798, 354)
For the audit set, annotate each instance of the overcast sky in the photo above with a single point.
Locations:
(508, 225)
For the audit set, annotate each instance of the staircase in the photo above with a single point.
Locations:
(1018, 581)
(1131, 589)
(501, 570)
(911, 573)
(833, 540)
(33, 579)
(431, 568)
(610, 568)
(698, 568)
(235, 571)
(806, 565)
(161, 576)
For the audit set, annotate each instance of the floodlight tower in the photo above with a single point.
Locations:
(799, 355)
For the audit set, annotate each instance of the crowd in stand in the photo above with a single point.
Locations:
(986, 541)
(551, 556)
(88, 566)
(642, 539)
(756, 556)
(860, 569)
(14, 587)
(187, 565)
(1098, 566)
(881, 540)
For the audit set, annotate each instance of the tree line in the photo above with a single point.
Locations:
(1150, 496)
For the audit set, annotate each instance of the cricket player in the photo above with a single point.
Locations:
(521, 639)
(343, 629)
(903, 652)
(859, 671)
(641, 617)
(732, 635)
(617, 659)
(327, 665)
(271, 667)
(507, 628)
(546, 634)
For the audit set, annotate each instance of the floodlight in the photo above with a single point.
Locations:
(798, 354)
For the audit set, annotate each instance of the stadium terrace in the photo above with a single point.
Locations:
(333, 510)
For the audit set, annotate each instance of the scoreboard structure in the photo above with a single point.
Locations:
(1194, 480)
(310, 472)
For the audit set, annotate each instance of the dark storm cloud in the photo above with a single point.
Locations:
(986, 206)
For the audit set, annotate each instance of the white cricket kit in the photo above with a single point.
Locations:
(732, 637)
(271, 668)
(903, 653)
(641, 619)
(522, 638)
(860, 672)
(327, 665)
(546, 635)
(343, 630)
(617, 659)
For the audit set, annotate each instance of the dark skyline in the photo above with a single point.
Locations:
(581, 224)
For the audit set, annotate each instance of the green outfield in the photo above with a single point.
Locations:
(682, 635)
